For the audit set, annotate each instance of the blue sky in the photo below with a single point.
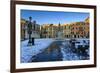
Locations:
(53, 17)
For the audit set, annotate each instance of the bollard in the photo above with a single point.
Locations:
(32, 41)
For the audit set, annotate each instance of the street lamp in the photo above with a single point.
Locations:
(30, 30)
(34, 24)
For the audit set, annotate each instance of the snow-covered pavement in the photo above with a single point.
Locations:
(28, 51)
(54, 50)
(67, 50)
(68, 55)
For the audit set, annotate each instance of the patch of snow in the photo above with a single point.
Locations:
(68, 55)
(67, 52)
(28, 51)
(82, 43)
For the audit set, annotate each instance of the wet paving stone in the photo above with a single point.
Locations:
(61, 51)
(52, 53)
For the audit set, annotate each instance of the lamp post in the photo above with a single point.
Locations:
(30, 31)
(34, 23)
